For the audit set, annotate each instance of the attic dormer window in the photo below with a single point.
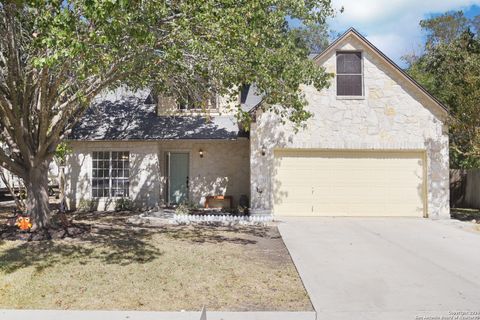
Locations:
(349, 74)
(192, 104)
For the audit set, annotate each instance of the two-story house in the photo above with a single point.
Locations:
(377, 145)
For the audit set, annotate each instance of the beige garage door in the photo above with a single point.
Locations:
(350, 183)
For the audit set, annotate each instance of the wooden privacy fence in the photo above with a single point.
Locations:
(465, 188)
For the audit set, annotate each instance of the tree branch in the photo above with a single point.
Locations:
(18, 202)
(10, 165)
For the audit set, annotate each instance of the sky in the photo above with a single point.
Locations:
(393, 25)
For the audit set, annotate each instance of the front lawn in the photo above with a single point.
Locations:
(116, 265)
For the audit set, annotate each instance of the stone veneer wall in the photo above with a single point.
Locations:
(392, 115)
(224, 169)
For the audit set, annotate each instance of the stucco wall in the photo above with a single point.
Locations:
(224, 169)
(392, 115)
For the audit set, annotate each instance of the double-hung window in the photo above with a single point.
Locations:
(349, 74)
(110, 173)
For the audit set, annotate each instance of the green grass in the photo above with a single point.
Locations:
(124, 267)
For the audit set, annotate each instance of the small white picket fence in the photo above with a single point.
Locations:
(223, 218)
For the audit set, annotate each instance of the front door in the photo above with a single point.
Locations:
(177, 163)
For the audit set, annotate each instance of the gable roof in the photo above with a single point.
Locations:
(353, 32)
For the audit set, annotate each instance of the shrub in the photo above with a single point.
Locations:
(124, 204)
(182, 209)
(186, 208)
(86, 205)
(243, 211)
(228, 210)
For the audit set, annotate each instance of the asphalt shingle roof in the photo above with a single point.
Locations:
(123, 115)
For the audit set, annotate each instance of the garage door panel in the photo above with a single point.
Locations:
(360, 183)
(294, 209)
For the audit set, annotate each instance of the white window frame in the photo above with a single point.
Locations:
(110, 167)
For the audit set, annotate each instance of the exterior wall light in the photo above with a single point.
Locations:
(259, 190)
(264, 151)
(200, 153)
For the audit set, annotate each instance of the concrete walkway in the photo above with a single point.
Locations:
(367, 268)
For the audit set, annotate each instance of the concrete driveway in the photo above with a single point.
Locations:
(368, 268)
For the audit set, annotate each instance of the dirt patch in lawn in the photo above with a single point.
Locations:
(117, 265)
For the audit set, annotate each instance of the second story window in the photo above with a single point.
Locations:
(195, 104)
(349, 74)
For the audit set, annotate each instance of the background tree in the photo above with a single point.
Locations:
(450, 68)
(315, 38)
(445, 28)
(56, 55)
(60, 157)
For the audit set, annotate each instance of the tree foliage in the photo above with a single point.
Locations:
(57, 55)
(61, 153)
(450, 69)
(315, 38)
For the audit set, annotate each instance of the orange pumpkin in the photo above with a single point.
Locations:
(23, 223)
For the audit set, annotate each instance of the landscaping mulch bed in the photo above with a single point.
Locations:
(59, 232)
(62, 228)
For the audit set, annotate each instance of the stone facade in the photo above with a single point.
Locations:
(393, 114)
(223, 170)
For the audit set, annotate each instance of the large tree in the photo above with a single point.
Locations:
(449, 68)
(56, 55)
(315, 38)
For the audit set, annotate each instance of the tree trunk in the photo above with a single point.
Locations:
(37, 196)
(61, 187)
